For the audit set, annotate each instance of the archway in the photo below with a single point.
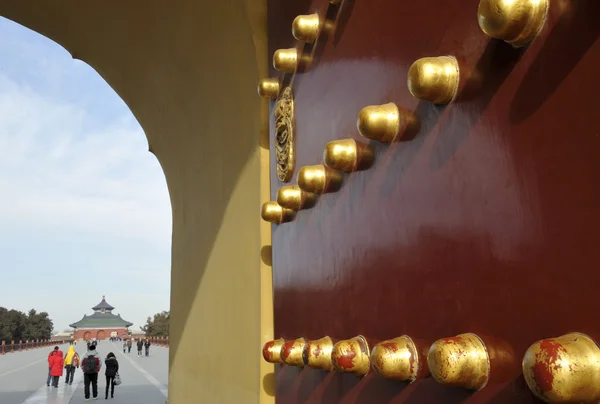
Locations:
(101, 335)
(87, 335)
(217, 174)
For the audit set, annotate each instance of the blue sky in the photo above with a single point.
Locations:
(84, 207)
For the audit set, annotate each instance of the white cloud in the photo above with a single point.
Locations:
(57, 173)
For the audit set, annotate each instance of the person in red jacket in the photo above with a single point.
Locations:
(56, 363)
(49, 368)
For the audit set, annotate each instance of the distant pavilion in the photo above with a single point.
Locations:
(102, 324)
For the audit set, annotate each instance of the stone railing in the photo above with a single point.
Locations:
(159, 341)
(18, 346)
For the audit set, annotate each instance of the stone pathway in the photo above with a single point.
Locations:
(23, 377)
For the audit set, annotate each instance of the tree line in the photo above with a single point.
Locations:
(158, 326)
(16, 325)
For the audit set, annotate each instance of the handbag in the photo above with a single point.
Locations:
(117, 379)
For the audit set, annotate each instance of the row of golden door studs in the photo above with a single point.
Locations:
(557, 370)
(434, 79)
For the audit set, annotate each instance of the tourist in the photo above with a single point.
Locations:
(49, 367)
(56, 366)
(112, 368)
(147, 346)
(91, 365)
(129, 345)
(140, 345)
(71, 363)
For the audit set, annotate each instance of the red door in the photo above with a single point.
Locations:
(484, 220)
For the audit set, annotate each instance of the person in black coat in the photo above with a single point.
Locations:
(112, 368)
(140, 345)
(147, 346)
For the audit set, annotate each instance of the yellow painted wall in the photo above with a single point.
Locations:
(188, 70)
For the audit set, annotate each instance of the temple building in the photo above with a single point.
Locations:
(102, 324)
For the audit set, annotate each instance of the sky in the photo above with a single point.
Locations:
(84, 207)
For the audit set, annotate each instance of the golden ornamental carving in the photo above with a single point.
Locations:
(284, 135)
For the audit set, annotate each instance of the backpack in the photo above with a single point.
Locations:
(75, 361)
(89, 366)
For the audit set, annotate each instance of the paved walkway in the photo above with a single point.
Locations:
(23, 377)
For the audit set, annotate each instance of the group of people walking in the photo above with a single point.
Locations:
(90, 365)
(141, 344)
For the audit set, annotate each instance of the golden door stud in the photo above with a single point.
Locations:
(564, 369)
(268, 88)
(460, 361)
(516, 22)
(272, 351)
(379, 122)
(352, 356)
(306, 28)
(294, 198)
(348, 155)
(317, 354)
(285, 60)
(434, 79)
(272, 212)
(319, 179)
(291, 352)
(397, 359)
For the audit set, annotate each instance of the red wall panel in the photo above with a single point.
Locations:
(486, 221)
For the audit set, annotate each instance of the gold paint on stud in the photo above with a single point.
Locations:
(294, 198)
(306, 28)
(348, 155)
(460, 361)
(272, 351)
(286, 60)
(434, 79)
(379, 122)
(397, 359)
(352, 356)
(317, 354)
(319, 179)
(291, 352)
(564, 369)
(516, 22)
(268, 88)
(272, 212)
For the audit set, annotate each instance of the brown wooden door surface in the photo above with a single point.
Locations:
(486, 221)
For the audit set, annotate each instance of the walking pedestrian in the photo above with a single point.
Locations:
(56, 366)
(112, 368)
(71, 363)
(140, 345)
(49, 368)
(129, 345)
(91, 365)
(147, 346)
